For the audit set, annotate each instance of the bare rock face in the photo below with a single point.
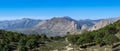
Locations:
(84, 27)
(103, 23)
(100, 24)
(56, 26)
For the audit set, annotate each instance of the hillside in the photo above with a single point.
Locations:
(103, 23)
(102, 37)
(18, 24)
(13, 41)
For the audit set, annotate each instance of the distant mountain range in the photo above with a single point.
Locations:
(57, 26)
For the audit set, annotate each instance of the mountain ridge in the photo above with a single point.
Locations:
(56, 26)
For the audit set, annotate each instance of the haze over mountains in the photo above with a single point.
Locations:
(57, 26)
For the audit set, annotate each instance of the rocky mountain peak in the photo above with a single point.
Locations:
(67, 18)
(26, 19)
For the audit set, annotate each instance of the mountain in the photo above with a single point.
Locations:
(103, 23)
(55, 26)
(18, 24)
(86, 24)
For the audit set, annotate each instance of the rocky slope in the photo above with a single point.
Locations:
(102, 23)
(55, 26)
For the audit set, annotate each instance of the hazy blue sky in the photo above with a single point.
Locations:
(45, 9)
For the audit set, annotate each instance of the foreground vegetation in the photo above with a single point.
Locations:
(10, 41)
(101, 37)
